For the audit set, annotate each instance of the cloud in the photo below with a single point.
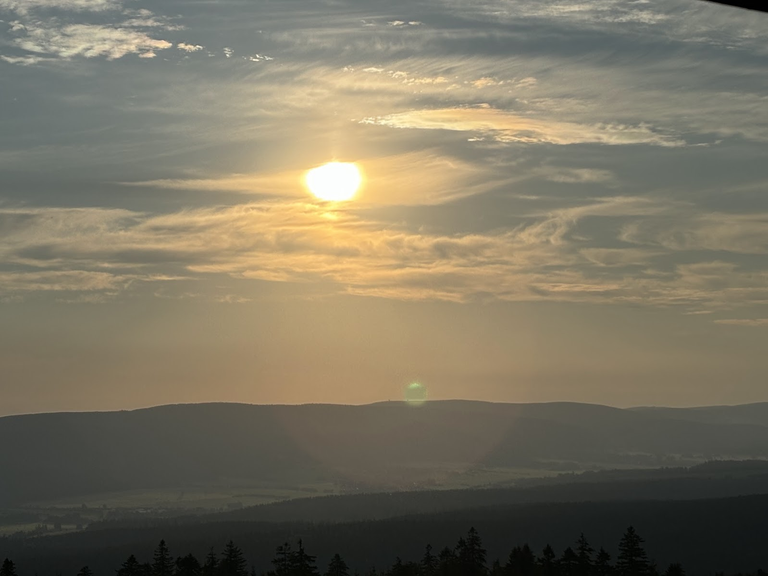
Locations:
(691, 22)
(25, 6)
(738, 233)
(402, 23)
(578, 175)
(302, 242)
(23, 60)
(751, 322)
(88, 41)
(402, 76)
(507, 127)
(60, 280)
(51, 38)
(541, 87)
(618, 256)
(189, 47)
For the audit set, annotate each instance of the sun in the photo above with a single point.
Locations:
(334, 181)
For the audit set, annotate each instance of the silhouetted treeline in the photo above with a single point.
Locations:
(467, 558)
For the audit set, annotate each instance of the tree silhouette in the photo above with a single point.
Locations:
(467, 558)
(337, 567)
(303, 564)
(674, 570)
(233, 563)
(547, 561)
(447, 562)
(8, 568)
(188, 566)
(602, 563)
(162, 563)
(471, 555)
(289, 562)
(521, 562)
(211, 564)
(584, 552)
(568, 565)
(401, 568)
(282, 560)
(130, 567)
(428, 562)
(632, 560)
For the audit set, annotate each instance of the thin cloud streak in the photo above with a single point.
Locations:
(303, 242)
(503, 126)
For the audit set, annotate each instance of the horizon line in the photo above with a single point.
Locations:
(379, 402)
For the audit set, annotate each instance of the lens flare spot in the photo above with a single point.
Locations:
(415, 394)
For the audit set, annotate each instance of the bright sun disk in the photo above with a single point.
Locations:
(334, 181)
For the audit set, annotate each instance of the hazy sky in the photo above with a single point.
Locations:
(562, 201)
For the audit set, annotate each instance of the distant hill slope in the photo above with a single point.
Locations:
(710, 480)
(756, 414)
(386, 445)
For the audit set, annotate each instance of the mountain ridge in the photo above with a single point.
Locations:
(368, 447)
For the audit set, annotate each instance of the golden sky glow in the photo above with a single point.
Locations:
(511, 200)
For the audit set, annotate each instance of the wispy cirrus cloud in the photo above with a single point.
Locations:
(47, 38)
(738, 233)
(504, 126)
(301, 242)
(26, 6)
(751, 322)
(88, 41)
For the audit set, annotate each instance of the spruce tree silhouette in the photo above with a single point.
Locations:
(130, 567)
(162, 563)
(428, 563)
(401, 568)
(674, 570)
(584, 552)
(632, 560)
(603, 563)
(8, 568)
(467, 558)
(303, 564)
(471, 555)
(447, 563)
(337, 567)
(547, 561)
(211, 564)
(521, 562)
(282, 560)
(188, 566)
(568, 565)
(233, 563)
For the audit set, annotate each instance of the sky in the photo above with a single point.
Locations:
(562, 201)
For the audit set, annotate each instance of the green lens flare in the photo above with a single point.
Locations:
(415, 394)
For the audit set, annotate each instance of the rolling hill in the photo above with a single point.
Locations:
(385, 446)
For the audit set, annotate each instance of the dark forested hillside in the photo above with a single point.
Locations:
(710, 480)
(379, 446)
(706, 536)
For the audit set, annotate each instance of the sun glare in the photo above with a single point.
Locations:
(335, 181)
